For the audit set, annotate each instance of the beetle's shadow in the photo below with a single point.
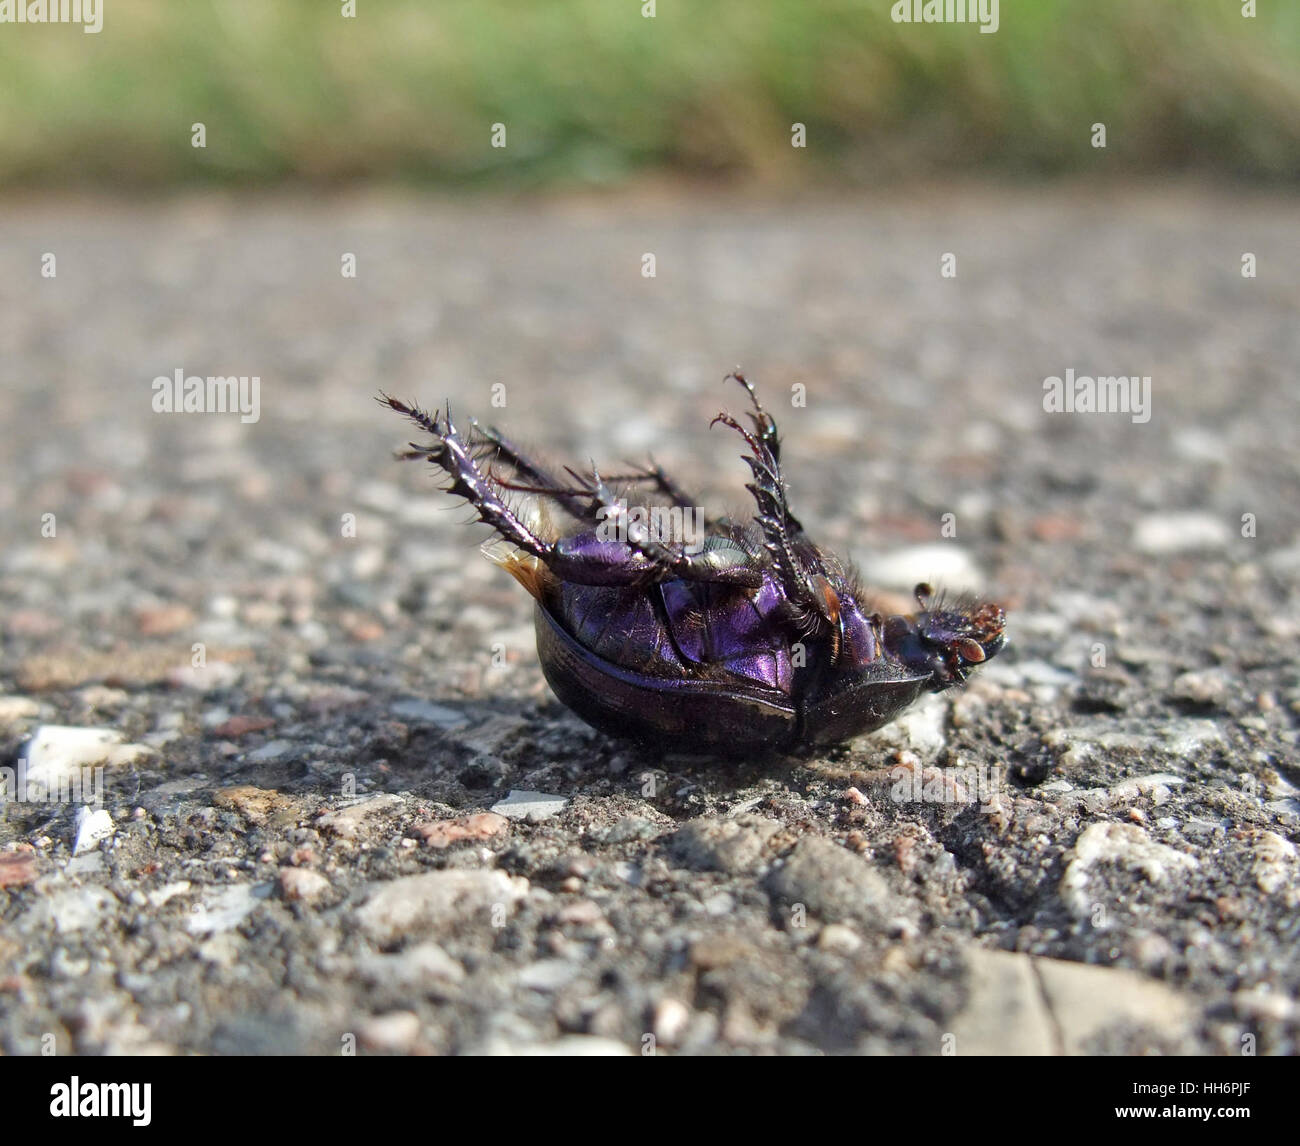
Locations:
(722, 778)
(538, 744)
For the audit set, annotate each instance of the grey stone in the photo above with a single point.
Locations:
(425, 712)
(1125, 845)
(548, 974)
(77, 909)
(1087, 1000)
(532, 806)
(416, 905)
(1022, 1005)
(734, 846)
(1208, 687)
(831, 883)
(227, 908)
(570, 1046)
(421, 965)
(93, 826)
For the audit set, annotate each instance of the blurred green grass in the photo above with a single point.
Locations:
(591, 91)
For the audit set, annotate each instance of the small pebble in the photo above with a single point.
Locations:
(548, 975)
(944, 563)
(838, 939)
(302, 883)
(17, 868)
(16, 708)
(395, 1031)
(671, 1018)
(1163, 533)
(531, 806)
(92, 827)
(271, 750)
(423, 712)
(1207, 688)
(443, 833)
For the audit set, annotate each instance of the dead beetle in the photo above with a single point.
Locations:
(695, 634)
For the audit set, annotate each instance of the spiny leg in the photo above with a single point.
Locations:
(766, 431)
(805, 585)
(729, 566)
(634, 558)
(764, 423)
(655, 475)
(575, 501)
(450, 453)
(499, 448)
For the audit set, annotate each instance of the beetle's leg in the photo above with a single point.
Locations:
(665, 560)
(579, 500)
(764, 423)
(499, 446)
(654, 474)
(782, 535)
(584, 560)
(766, 431)
(543, 482)
(576, 501)
(450, 452)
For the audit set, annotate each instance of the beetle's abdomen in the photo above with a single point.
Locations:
(736, 631)
(680, 628)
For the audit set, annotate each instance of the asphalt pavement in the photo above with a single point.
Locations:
(311, 692)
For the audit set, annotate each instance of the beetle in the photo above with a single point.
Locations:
(744, 639)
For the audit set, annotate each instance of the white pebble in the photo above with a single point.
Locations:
(944, 565)
(91, 828)
(1161, 533)
(531, 806)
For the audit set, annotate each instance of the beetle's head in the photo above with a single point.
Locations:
(946, 641)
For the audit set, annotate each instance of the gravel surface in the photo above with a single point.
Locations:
(340, 807)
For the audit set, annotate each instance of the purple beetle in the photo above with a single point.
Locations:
(745, 638)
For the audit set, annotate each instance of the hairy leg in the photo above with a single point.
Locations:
(631, 557)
